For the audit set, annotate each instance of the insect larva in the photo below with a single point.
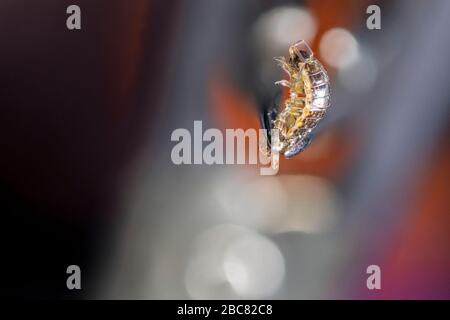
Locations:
(308, 101)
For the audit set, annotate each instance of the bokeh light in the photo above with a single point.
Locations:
(282, 26)
(289, 203)
(361, 75)
(339, 48)
(231, 261)
(254, 266)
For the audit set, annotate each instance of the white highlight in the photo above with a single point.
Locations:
(230, 261)
(254, 266)
(279, 28)
(339, 48)
(360, 76)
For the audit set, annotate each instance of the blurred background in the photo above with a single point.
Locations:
(87, 178)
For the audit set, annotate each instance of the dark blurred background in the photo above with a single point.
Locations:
(86, 118)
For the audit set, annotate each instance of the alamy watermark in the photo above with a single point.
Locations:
(73, 21)
(234, 146)
(373, 282)
(373, 21)
(74, 279)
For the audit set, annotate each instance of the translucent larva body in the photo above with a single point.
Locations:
(308, 101)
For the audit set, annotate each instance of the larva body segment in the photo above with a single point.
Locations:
(308, 101)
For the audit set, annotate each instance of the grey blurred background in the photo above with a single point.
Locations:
(87, 118)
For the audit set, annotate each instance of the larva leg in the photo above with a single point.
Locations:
(284, 65)
(284, 83)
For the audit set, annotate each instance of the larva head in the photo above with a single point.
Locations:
(299, 52)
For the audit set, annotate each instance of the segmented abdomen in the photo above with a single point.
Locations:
(308, 101)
